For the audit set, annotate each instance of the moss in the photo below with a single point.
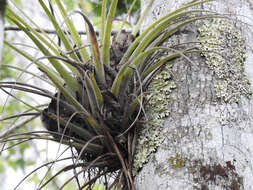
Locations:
(177, 162)
(157, 110)
(225, 53)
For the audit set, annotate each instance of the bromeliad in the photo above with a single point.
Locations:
(102, 85)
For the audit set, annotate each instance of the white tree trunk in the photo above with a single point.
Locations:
(208, 135)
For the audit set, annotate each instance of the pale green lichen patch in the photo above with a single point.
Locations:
(157, 110)
(225, 53)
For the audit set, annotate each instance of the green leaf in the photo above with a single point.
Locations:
(30, 163)
(97, 92)
(160, 27)
(107, 34)
(157, 65)
(61, 34)
(77, 39)
(93, 98)
(69, 80)
(98, 187)
(103, 21)
(59, 84)
(70, 4)
(23, 71)
(23, 147)
(33, 60)
(123, 76)
(12, 15)
(140, 21)
(11, 152)
(167, 18)
(77, 129)
(2, 167)
(132, 107)
(12, 164)
(21, 163)
(125, 19)
(149, 71)
(95, 50)
(122, 7)
(34, 179)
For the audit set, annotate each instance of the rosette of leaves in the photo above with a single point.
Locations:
(101, 85)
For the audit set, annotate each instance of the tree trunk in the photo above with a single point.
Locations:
(206, 141)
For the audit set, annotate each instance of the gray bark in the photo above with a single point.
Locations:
(208, 133)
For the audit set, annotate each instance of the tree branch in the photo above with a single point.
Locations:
(15, 127)
(2, 10)
(48, 31)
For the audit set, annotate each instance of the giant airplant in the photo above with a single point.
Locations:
(101, 84)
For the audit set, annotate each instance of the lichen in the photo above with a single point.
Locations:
(157, 110)
(177, 162)
(224, 49)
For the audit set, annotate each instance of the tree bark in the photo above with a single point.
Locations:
(207, 137)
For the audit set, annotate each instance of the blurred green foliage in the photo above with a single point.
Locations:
(123, 6)
(95, 6)
(15, 157)
(7, 58)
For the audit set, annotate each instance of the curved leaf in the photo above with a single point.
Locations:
(132, 107)
(95, 49)
(103, 19)
(59, 31)
(125, 19)
(77, 129)
(138, 39)
(32, 30)
(59, 84)
(107, 33)
(97, 92)
(84, 54)
(143, 15)
(70, 80)
(124, 74)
